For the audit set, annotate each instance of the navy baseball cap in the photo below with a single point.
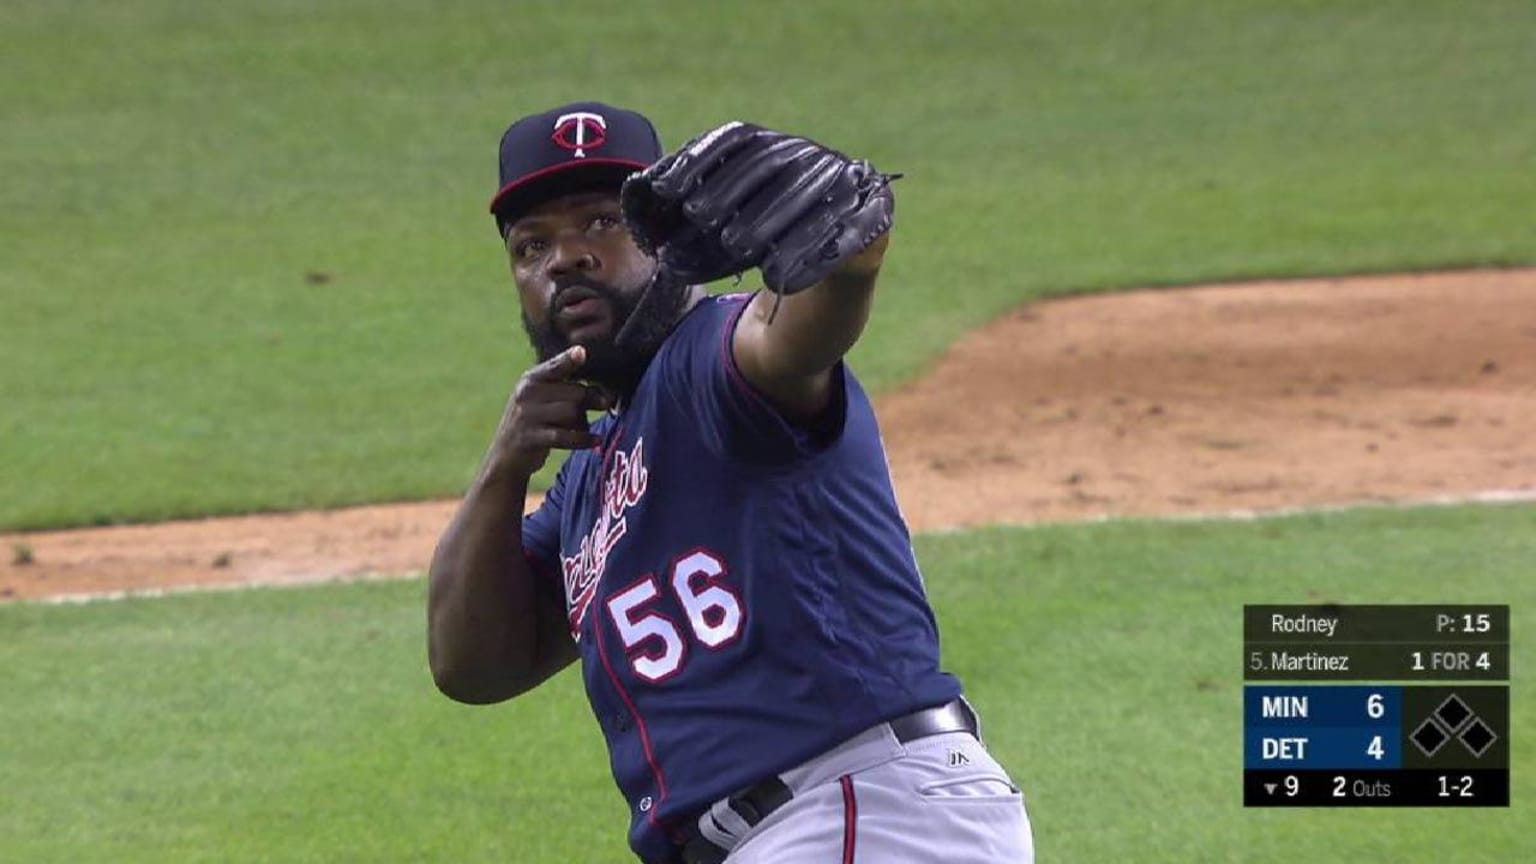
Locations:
(574, 148)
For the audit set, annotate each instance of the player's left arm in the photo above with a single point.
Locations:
(789, 353)
(814, 221)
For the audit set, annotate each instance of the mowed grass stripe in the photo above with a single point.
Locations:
(245, 265)
(301, 725)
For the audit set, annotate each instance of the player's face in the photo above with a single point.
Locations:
(579, 276)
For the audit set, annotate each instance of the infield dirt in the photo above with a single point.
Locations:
(1209, 399)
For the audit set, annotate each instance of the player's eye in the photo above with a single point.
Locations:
(528, 247)
(606, 221)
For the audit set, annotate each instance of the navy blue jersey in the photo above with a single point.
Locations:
(743, 590)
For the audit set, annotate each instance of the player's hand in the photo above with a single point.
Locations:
(548, 410)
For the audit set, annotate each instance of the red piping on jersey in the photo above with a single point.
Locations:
(602, 655)
(645, 736)
(850, 818)
(606, 448)
(734, 373)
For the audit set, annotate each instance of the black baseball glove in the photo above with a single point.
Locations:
(741, 196)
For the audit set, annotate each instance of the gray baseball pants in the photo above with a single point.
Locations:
(874, 800)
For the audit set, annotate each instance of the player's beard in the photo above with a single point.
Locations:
(639, 324)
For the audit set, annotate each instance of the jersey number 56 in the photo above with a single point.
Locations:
(654, 644)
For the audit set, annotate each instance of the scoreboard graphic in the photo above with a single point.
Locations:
(1410, 707)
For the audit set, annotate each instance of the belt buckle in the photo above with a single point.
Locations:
(751, 805)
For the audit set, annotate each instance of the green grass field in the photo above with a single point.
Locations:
(244, 265)
(300, 725)
(174, 171)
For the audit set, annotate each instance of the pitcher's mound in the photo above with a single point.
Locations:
(1251, 396)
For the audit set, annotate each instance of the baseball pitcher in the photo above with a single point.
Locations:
(722, 549)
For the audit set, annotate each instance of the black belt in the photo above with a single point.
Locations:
(955, 716)
(755, 803)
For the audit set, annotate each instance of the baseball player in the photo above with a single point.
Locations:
(722, 548)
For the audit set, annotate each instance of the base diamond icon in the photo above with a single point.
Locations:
(1453, 712)
(1477, 737)
(1429, 737)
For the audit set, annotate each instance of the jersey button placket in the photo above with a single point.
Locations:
(619, 721)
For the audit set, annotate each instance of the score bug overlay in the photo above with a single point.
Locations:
(1374, 742)
(1376, 643)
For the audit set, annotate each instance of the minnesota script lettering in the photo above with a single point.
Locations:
(623, 488)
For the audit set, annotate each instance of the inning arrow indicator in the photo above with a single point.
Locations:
(1271, 787)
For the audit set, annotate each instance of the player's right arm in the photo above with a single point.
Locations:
(491, 632)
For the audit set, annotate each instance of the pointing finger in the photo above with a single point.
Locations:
(561, 366)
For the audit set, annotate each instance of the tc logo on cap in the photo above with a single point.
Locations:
(580, 130)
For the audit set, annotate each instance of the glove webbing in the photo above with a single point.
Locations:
(884, 181)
